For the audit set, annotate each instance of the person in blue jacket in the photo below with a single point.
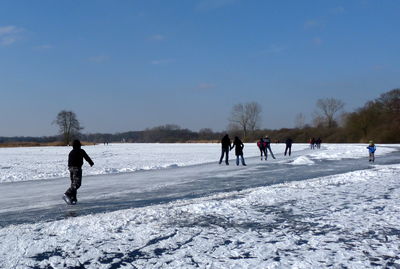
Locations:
(371, 148)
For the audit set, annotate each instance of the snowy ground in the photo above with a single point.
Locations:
(283, 216)
(21, 164)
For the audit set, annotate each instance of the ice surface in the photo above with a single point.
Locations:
(21, 164)
(347, 220)
(343, 220)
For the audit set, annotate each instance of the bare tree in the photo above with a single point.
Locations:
(328, 108)
(300, 120)
(68, 125)
(245, 116)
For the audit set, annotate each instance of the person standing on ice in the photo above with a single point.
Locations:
(288, 143)
(371, 148)
(226, 147)
(262, 146)
(75, 162)
(318, 142)
(312, 143)
(238, 145)
(267, 141)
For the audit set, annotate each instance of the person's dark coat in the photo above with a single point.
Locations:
(76, 156)
(238, 145)
(226, 142)
(289, 142)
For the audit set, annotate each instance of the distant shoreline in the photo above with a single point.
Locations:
(60, 144)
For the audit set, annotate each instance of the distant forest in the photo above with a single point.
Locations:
(377, 120)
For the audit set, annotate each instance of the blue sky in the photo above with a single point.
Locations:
(129, 64)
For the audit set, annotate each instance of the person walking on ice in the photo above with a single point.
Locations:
(262, 146)
(226, 147)
(288, 143)
(75, 162)
(267, 141)
(371, 148)
(238, 145)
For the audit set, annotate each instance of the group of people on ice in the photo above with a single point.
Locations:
(228, 146)
(315, 143)
(264, 144)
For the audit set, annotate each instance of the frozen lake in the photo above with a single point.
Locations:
(317, 208)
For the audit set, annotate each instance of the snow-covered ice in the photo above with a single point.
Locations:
(21, 164)
(344, 220)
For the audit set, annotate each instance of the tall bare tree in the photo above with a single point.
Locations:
(300, 120)
(245, 116)
(327, 110)
(68, 125)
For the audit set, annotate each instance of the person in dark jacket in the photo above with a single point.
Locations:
(288, 143)
(267, 141)
(263, 147)
(312, 143)
(238, 145)
(318, 142)
(75, 162)
(226, 147)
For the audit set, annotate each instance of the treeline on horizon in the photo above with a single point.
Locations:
(377, 120)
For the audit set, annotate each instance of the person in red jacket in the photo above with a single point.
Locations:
(75, 162)
(262, 146)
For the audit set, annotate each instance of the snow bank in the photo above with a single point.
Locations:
(303, 160)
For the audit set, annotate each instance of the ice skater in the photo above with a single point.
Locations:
(288, 143)
(238, 145)
(226, 147)
(262, 147)
(312, 143)
(318, 142)
(267, 141)
(75, 162)
(371, 148)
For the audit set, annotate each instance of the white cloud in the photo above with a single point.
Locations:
(9, 34)
(98, 59)
(206, 86)
(162, 61)
(157, 37)
(378, 67)
(44, 47)
(317, 41)
(214, 4)
(274, 49)
(338, 10)
(312, 24)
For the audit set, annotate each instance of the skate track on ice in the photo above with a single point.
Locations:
(34, 201)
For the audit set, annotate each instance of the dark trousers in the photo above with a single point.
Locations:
(288, 148)
(237, 159)
(270, 151)
(263, 151)
(225, 151)
(75, 174)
